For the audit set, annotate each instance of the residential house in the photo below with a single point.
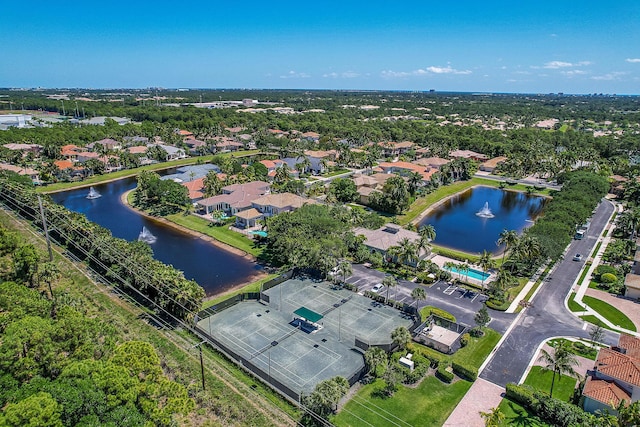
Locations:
(25, 148)
(234, 198)
(67, 167)
(192, 172)
(274, 204)
(395, 149)
(468, 154)
(229, 144)
(31, 173)
(311, 136)
(273, 165)
(405, 168)
(173, 153)
(70, 152)
(196, 147)
(106, 144)
(615, 376)
(387, 236)
(195, 188)
(365, 185)
(319, 159)
(632, 279)
(491, 164)
(184, 133)
(432, 162)
(135, 140)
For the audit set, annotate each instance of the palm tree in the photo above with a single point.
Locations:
(408, 252)
(212, 184)
(389, 282)
(450, 266)
(560, 362)
(485, 262)
(346, 269)
(374, 357)
(508, 238)
(428, 231)
(418, 294)
(494, 418)
(414, 181)
(401, 337)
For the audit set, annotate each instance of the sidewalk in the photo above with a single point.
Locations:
(581, 290)
(481, 397)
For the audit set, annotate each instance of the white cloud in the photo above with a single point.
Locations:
(553, 65)
(295, 75)
(633, 60)
(423, 72)
(345, 75)
(572, 73)
(614, 75)
(447, 70)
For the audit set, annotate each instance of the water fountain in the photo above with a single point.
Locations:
(93, 194)
(485, 212)
(146, 236)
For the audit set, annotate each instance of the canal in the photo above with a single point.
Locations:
(213, 268)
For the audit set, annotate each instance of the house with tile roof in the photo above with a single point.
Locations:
(432, 162)
(387, 236)
(106, 143)
(31, 173)
(615, 377)
(274, 204)
(468, 154)
(405, 168)
(234, 198)
(491, 164)
(395, 149)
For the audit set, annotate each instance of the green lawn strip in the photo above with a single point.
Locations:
(334, 173)
(534, 287)
(589, 352)
(96, 179)
(516, 415)
(584, 273)
(251, 287)
(429, 404)
(474, 353)
(183, 366)
(221, 233)
(596, 249)
(541, 380)
(455, 254)
(610, 313)
(426, 311)
(574, 306)
(593, 319)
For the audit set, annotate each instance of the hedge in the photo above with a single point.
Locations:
(444, 375)
(559, 413)
(522, 394)
(467, 372)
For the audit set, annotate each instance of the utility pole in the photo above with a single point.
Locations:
(199, 345)
(46, 235)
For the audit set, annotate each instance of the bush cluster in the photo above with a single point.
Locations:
(467, 372)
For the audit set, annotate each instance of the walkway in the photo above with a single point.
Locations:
(481, 397)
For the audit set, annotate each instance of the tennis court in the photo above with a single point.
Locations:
(264, 336)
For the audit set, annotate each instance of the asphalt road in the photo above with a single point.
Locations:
(547, 317)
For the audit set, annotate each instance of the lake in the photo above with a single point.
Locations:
(458, 227)
(213, 268)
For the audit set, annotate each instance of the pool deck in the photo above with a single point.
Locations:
(440, 261)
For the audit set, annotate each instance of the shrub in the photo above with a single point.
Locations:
(476, 332)
(522, 394)
(464, 340)
(467, 372)
(429, 310)
(496, 304)
(423, 277)
(603, 269)
(608, 278)
(559, 413)
(444, 375)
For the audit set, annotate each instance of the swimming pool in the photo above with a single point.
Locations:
(472, 273)
(259, 233)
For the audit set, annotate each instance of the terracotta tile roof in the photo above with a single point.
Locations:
(18, 169)
(63, 164)
(607, 392)
(320, 154)
(140, 149)
(283, 200)
(618, 366)
(365, 180)
(184, 132)
(195, 188)
(492, 163)
(425, 173)
(467, 154)
(249, 214)
(435, 162)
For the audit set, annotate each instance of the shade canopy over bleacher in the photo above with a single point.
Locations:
(308, 315)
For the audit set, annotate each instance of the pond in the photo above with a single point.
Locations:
(472, 221)
(213, 268)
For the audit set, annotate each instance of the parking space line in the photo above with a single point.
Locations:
(450, 290)
(474, 298)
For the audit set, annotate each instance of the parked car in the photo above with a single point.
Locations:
(377, 288)
(577, 257)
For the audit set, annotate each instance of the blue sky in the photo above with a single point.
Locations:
(491, 46)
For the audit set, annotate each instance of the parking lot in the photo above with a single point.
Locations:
(462, 303)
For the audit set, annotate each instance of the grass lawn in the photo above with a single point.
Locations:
(589, 352)
(584, 272)
(574, 306)
(610, 313)
(251, 287)
(472, 355)
(96, 179)
(427, 310)
(518, 416)
(429, 404)
(541, 380)
(593, 319)
(334, 173)
(222, 233)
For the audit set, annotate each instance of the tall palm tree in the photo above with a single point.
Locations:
(408, 252)
(508, 238)
(428, 231)
(389, 282)
(346, 269)
(401, 336)
(414, 181)
(449, 266)
(560, 362)
(485, 262)
(418, 294)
